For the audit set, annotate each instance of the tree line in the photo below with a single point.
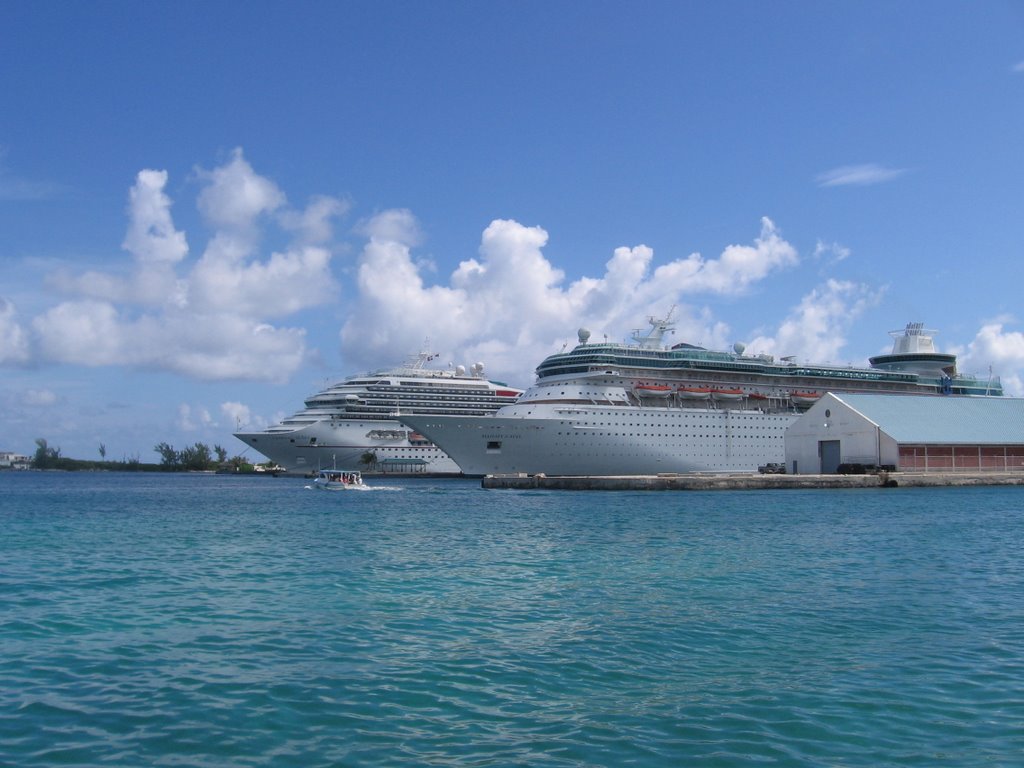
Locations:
(194, 458)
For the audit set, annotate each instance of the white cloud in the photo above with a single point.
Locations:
(736, 269)
(397, 225)
(221, 347)
(314, 225)
(832, 252)
(280, 286)
(193, 419)
(510, 306)
(93, 285)
(81, 333)
(228, 277)
(39, 398)
(14, 344)
(210, 321)
(235, 197)
(998, 351)
(816, 329)
(859, 175)
(155, 245)
(185, 423)
(151, 236)
(205, 347)
(237, 414)
(1019, 66)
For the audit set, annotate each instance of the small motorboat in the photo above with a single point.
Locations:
(339, 480)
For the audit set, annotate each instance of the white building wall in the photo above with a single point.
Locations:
(15, 460)
(860, 440)
(890, 451)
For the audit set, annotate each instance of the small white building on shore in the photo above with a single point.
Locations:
(909, 433)
(10, 460)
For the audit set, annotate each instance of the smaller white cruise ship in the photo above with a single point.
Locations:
(357, 423)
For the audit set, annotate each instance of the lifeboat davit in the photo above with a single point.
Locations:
(695, 393)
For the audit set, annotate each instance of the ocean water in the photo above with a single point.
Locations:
(180, 620)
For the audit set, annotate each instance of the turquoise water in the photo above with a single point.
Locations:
(229, 621)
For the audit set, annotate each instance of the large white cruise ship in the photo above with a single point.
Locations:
(643, 408)
(358, 423)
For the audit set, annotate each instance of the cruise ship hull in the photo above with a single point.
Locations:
(611, 440)
(344, 444)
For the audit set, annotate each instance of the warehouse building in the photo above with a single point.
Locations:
(908, 433)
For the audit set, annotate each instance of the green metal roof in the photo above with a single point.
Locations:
(945, 420)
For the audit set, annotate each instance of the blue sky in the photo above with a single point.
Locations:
(207, 210)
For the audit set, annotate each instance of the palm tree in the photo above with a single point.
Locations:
(46, 457)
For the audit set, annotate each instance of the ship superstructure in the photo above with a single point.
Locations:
(643, 407)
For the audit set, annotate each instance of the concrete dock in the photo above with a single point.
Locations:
(749, 482)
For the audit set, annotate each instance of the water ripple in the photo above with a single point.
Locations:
(229, 622)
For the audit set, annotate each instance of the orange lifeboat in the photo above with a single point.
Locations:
(727, 395)
(653, 390)
(695, 393)
(804, 398)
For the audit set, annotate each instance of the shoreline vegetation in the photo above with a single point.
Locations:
(194, 458)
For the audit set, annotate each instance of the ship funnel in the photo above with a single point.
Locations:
(913, 351)
(913, 339)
